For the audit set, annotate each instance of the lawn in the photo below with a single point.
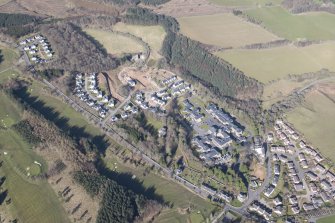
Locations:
(9, 56)
(245, 2)
(114, 43)
(66, 111)
(311, 26)
(171, 192)
(8, 74)
(20, 154)
(271, 64)
(152, 35)
(224, 30)
(330, 219)
(9, 111)
(32, 202)
(316, 120)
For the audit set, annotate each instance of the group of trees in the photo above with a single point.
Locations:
(143, 16)
(50, 74)
(17, 24)
(118, 204)
(300, 6)
(75, 50)
(213, 72)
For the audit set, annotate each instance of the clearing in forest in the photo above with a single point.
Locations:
(310, 26)
(152, 35)
(224, 30)
(315, 118)
(114, 43)
(272, 64)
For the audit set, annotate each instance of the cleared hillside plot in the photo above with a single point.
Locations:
(310, 26)
(224, 30)
(271, 64)
(114, 43)
(315, 118)
(245, 2)
(152, 35)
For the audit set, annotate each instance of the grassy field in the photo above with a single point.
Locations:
(316, 120)
(9, 56)
(114, 43)
(245, 2)
(74, 118)
(271, 64)
(172, 192)
(224, 30)
(31, 202)
(311, 26)
(152, 35)
(330, 219)
(278, 90)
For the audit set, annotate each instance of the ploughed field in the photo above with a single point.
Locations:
(224, 30)
(274, 63)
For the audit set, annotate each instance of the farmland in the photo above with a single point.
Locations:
(152, 35)
(271, 64)
(224, 30)
(245, 2)
(329, 219)
(316, 120)
(171, 192)
(311, 26)
(114, 43)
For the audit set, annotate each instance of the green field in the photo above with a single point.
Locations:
(172, 192)
(271, 64)
(330, 219)
(311, 26)
(224, 30)
(245, 2)
(152, 35)
(316, 120)
(31, 202)
(114, 43)
(9, 56)
(74, 117)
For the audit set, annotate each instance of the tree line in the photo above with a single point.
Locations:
(117, 203)
(133, 2)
